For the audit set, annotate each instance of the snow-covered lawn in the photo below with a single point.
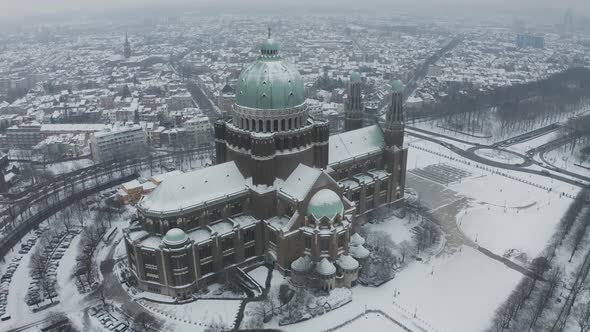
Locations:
(197, 315)
(505, 214)
(372, 321)
(457, 293)
(259, 275)
(501, 156)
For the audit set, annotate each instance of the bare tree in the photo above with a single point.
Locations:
(144, 322)
(582, 316)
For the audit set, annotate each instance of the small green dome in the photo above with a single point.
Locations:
(269, 83)
(175, 236)
(397, 86)
(355, 77)
(325, 203)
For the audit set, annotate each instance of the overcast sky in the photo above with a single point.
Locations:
(14, 8)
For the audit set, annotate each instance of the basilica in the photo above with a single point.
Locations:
(282, 190)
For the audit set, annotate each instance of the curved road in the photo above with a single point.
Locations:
(472, 156)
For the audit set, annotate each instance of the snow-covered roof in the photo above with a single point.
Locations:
(359, 252)
(325, 267)
(137, 235)
(355, 143)
(302, 264)
(356, 240)
(348, 263)
(188, 190)
(200, 235)
(160, 177)
(245, 220)
(222, 228)
(299, 183)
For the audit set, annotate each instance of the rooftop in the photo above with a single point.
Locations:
(188, 190)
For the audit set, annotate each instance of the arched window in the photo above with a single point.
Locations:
(289, 127)
(283, 124)
(260, 125)
(296, 123)
(268, 128)
(275, 126)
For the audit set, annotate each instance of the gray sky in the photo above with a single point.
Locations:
(12, 8)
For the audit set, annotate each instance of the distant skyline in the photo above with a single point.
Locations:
(19, 8)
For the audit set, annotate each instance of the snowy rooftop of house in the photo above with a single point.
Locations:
(355, 143)
(346, 262)
(67, 127)
(325, 267)
(160, 177)
(194, 188)
(299, 183)
(245, 220)
(131, 185)
(200, 235)
(222, 227)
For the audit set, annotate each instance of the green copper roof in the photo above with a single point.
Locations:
(397, 86)
(325, 203)
(175, 236)
(269, 83)
(355, 77)
(269, 45)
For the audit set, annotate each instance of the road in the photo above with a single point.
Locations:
(470, 154)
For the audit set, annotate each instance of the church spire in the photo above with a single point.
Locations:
(394, 119)
(127, 47)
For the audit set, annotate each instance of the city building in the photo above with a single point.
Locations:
(120, 142)
(282, 190)
(226, 99)
(527, 40)
(23, 136)
(127, 48)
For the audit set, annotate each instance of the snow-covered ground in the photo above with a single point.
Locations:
(372, 322)
(197, 315)
(69, 166)
(259, 275)
(501, 156)
(461, 291)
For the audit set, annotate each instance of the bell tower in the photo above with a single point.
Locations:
(353, 111)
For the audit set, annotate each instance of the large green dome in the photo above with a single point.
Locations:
(269, 83)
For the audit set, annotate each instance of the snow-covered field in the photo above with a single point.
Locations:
(372, 322)
(461, 291)
(501, 156)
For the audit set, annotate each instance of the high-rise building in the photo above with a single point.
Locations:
(353, 109)
(118, 143)
(528, 40)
